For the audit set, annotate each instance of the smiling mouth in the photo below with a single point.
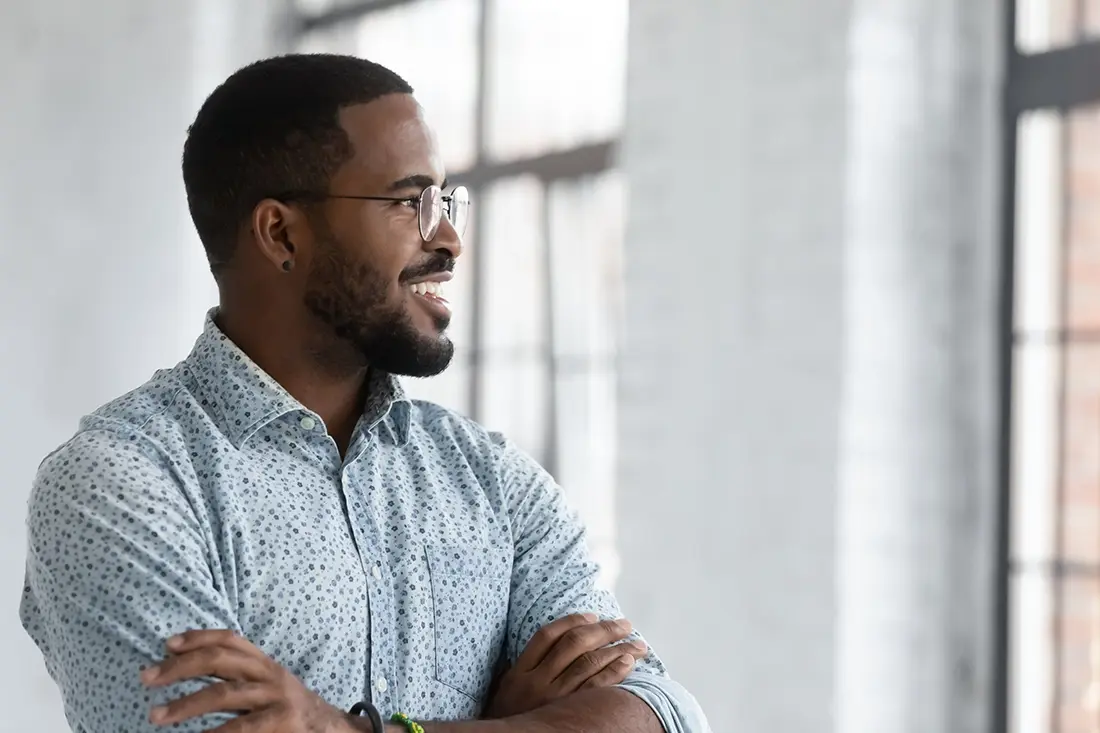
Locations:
(431, 293)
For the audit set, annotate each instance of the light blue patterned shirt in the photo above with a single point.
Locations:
(211, 498)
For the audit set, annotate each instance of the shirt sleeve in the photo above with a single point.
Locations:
(553, 575)
(117, 564)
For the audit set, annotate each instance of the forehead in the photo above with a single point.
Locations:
(391, 140)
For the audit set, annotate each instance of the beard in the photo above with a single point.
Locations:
(351, 298)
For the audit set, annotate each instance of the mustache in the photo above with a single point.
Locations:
(438, 263)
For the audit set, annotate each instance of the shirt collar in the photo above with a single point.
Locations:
(242, 398)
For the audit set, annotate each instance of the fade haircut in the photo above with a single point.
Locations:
(272, 127)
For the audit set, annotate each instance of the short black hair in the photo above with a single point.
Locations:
(272, 127)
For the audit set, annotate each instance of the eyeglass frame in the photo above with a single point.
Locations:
(445, 200)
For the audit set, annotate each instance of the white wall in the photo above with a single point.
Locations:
(808, 391)
(102, 280)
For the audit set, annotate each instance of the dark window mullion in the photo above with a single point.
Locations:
(550, 449)
(344, 14)
(477, 327)
(1003, 676)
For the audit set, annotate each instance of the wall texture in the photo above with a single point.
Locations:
(103, 280)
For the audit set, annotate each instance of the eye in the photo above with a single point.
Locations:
(410, 203)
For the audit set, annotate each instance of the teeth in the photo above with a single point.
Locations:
(424, 288)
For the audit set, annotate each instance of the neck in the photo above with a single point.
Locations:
(331, 385)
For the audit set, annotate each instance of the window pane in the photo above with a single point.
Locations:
(1083, 241)
(513, 363)
(1078, 656)
(513, 314)
(514, 400)
(1039, 222)
(1035, 452)
(1032, 661)
(586, 236)
(1081, 455)
(586, 455)
(433, 45)
(450, 389)
(541, 53)
(1045, 24)
(1091, 24)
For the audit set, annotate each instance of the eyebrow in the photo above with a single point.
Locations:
(418, 180)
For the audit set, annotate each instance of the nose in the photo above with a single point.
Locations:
(446, 239)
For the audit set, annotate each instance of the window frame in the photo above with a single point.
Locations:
(1060, 79)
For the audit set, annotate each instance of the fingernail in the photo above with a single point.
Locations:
(626, 660)
(149, 674)
(623, 625)
(591, 618)
(158, 714)
(174, 642)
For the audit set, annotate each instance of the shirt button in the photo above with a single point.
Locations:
(376, 573)
(382, 685)
(308, 423)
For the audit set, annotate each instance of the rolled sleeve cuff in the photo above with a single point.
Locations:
(673, 705)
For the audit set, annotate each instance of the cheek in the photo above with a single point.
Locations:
(378, 258)
(391, 243)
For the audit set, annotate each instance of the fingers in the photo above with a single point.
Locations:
(614, 673)
(224, 697)
(583, 639)
(545, 638)
(212, 661)
(262, 721)
(608, 661)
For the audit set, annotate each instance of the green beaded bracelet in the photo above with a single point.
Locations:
(410, 725)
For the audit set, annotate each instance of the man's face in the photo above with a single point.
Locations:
(368, 256)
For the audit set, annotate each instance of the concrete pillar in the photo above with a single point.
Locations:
(807, 399)
(918, 431)
(730, 382)
(103, 279)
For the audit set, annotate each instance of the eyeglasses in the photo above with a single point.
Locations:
(431, 206)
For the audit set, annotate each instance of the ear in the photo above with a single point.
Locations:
(273, 223)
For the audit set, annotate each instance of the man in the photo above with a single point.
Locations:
(270, 532)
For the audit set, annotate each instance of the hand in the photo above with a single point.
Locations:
(564, 656)
(267, 696)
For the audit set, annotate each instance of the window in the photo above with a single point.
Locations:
(1049, 622)
(527, 100)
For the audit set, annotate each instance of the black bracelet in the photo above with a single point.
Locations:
(364, 708)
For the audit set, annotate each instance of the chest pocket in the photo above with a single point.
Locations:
(470, 587)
